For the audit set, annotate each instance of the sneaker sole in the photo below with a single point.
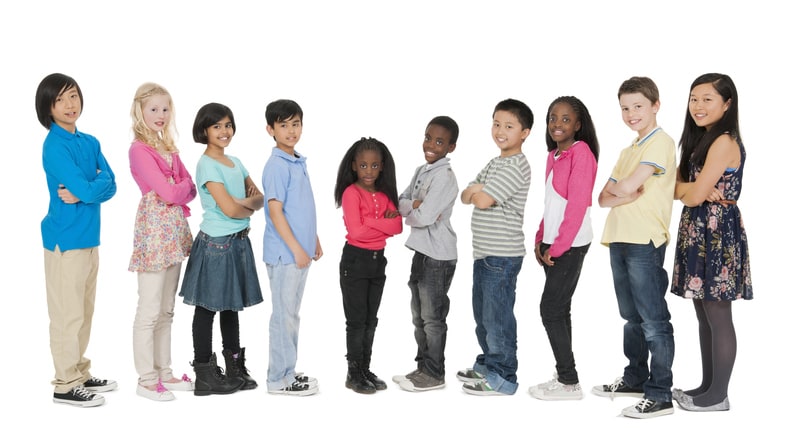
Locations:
(80, 404)
(106, 388)
(540, 395)
(617, 394)
(635, 414)
(294, 393)
(408, 385)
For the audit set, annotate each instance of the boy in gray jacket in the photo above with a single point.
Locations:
(426, 206)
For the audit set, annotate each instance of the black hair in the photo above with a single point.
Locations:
(47, 93)
(281, 110)
(449, 124)
(208, 116)
(586, 133)
(523, 113)
(387, 180)
(696, 140)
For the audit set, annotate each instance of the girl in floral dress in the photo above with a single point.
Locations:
(712, 265)
(162, 238)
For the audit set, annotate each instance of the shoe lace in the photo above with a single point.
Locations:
(160, 388)
(81, 392)
(644, 405)
(616, 385)
(297, 386)
(369, 375)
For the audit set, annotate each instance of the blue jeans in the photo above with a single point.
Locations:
(494, 284)
(429, 284)
(287, 290)
(641, 283)
(556, 308)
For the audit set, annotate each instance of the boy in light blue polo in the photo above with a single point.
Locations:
(290, 243)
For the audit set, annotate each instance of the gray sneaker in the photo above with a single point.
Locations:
(421, 381)
(469, 376)
(555, 390)
(400, 378)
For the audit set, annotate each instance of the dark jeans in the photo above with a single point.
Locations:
(362, 275)
(202, 332)
(494, 285)
(429, 284)
(641, 283)
(556, 306)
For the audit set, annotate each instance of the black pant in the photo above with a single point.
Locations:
(362, 275)
(202, 333)
(559, 286)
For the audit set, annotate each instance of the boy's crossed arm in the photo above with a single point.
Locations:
(475, 195)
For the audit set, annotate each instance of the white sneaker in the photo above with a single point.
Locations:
(555, 390)
(159, 394)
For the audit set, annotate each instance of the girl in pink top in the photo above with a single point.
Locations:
(366, 190)
(565, 234)
(162, 238)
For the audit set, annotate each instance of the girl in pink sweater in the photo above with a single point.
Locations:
(565, 234)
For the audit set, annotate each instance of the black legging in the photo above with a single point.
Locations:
(202, 333)
(717, 351)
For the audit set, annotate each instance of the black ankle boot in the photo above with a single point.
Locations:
(374, 379)
(356, 379)
(236, 368)
(209, 379)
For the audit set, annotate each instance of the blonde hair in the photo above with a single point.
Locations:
(163, 140)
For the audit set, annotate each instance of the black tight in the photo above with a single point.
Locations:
(717, 351)
(202, 333)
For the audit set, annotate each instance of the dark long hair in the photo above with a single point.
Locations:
(696, 140)
(586, 133)
(387, 180)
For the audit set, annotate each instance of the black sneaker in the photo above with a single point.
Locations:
(648, 408)
(98, 385)
(79, 396)
(617, 389)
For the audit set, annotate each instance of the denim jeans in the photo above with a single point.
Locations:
(287, 290)
(429, 284)
(494, 284)
(362, 275)
(641, 283)
(556, 308)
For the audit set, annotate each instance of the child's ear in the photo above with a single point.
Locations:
(270, 131)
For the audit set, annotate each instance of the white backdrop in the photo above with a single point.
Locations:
(380, 70)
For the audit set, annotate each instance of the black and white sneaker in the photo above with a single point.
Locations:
(79, 396)
(98, 385)
(648, 408)
(297, 389)
(617, 389)
(305, 379)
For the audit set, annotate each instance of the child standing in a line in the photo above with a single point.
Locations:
(221, 275)
(162, 238)
(427, 205)
(498, 196)
(565, 234)
(79, 179)
(290, 243)
(637, 231)
(366, 189)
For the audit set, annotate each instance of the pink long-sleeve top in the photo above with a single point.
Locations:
(574, 173)
(152, 172)
(365, 221)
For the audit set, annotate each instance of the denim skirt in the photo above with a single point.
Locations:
(221, 274)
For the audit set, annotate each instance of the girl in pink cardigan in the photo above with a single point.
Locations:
(565, 234)
(162, 238)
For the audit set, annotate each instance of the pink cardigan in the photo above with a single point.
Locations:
(151, 172)
(574, 173)
(363, 211)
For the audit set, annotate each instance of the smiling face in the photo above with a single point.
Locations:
(67, 108)
(367, 167)
(156, 112)
(436, 143)
(706, 105)
(638, 113)
(220, 134)
(563, 124)
(508, 133)
(286, 133)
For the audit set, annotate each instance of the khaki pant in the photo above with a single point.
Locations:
(153, 324)
(71, 295)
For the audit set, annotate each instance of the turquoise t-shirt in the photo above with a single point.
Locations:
(214, 222)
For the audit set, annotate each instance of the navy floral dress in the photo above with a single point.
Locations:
(712, 260)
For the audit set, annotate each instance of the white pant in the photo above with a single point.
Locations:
(153, 324)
